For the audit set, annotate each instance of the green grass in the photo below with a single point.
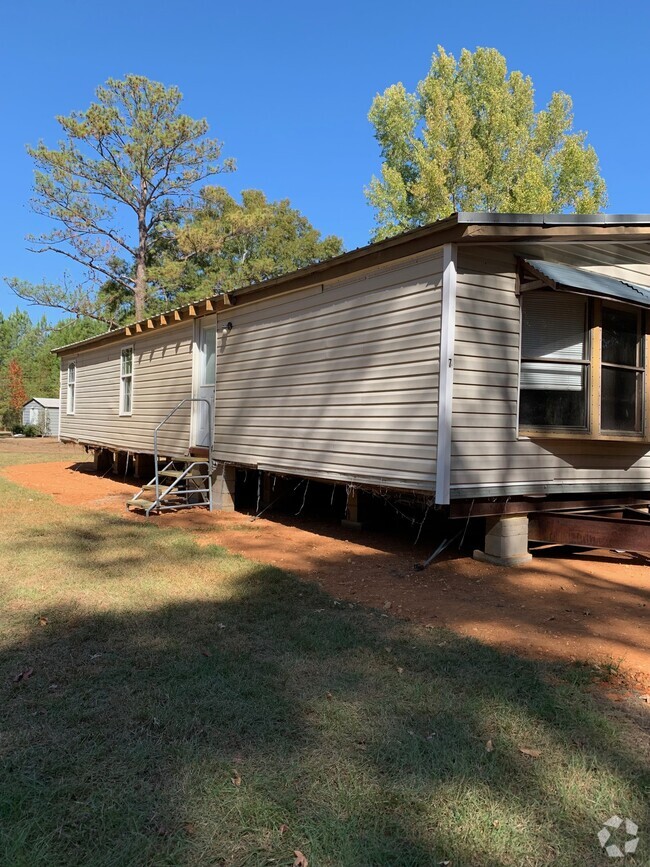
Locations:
(166, 669)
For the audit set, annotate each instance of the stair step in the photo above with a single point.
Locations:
(141, 503)
(176, 474)
(171, 499)
(188, 460)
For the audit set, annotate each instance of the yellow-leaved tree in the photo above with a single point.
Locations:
(469, 139)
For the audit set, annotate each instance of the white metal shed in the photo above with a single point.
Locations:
(43, 412)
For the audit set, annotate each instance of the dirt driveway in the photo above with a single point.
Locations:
(593, 606)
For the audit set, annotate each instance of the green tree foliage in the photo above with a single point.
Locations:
(125, 165)
(223, 244)
(28, 344)
(469, 139)
(122, 189)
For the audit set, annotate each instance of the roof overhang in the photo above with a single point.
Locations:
(566, 278)
(462, 228)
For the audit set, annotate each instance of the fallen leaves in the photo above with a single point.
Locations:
(489, 747)
(301, 860)
(236, 779)
(283, 829)
(23, 675)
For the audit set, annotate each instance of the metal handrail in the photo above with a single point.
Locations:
(166, 419)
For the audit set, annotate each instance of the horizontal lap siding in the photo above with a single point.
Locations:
(337, 382)
(162, 377)
(487, 457)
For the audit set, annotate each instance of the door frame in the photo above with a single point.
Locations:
(197, 357)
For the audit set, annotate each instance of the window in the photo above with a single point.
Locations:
(126, 381)
(72, 381)
(209, 356)
(622, 370)
(582, 366)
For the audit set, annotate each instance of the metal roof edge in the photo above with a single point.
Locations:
(485, 218)
(560, 276)
(462, 220)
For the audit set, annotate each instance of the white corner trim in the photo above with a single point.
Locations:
(446, 374)
(58, 433)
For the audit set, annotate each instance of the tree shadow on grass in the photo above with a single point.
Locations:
(192, 731)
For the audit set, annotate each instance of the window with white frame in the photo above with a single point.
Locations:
(582, 367)
(126, 381)
(72, 385)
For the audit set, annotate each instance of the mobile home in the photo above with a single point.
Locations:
(488, 363)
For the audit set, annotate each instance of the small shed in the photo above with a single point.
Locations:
(43, 412)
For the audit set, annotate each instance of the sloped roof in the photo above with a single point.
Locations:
(46, 402)
(462, 228)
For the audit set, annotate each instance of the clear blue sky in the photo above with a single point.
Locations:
(287, 86)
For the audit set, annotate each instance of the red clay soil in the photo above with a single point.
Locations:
(590, 606)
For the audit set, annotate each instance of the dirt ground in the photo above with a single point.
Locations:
(586, 607)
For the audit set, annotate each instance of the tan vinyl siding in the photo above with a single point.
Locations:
(487, 457)
(338, 381)
(162, 376)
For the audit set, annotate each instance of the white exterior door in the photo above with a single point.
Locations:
(206, 373)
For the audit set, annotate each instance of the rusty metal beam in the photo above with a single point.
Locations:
(524, 506)
(590, 531)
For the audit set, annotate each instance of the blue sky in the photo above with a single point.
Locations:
(287, 87)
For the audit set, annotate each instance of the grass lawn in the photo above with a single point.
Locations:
(190, 707)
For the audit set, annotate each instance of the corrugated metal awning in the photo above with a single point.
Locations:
(569, 279)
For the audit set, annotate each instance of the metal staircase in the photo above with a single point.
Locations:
(182, 482)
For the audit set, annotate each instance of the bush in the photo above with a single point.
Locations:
(17, 429)
(30, 430)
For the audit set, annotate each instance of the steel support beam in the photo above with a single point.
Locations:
(590, 531)
(531, 505)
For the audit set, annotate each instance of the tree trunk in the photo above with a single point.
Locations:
(140, 293)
